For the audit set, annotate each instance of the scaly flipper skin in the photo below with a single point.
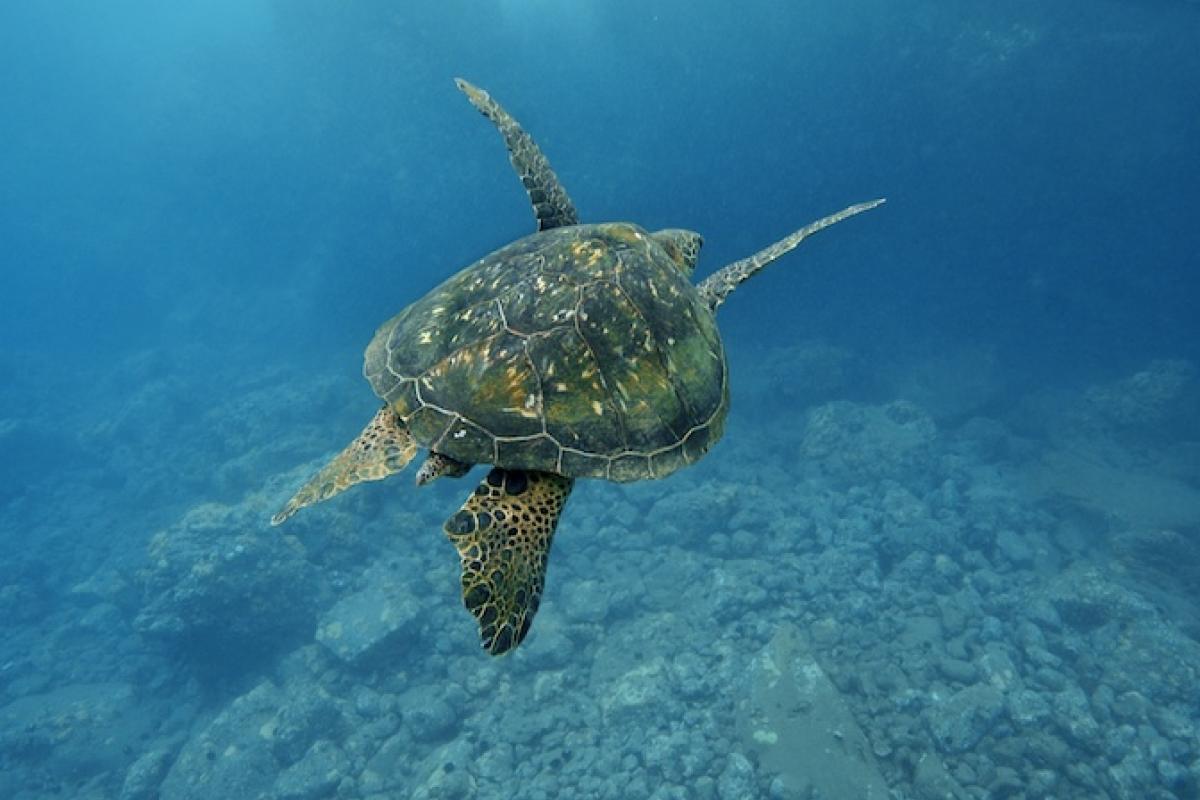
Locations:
(437, 465)
(683, 246)
(503, 534)
(384, 447)
(551, 205)
(716, 287)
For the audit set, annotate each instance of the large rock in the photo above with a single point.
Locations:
(638, 693)
(372, 624)
(737, 779)
(801, 728)
(447, 773)
(1147, 398)
(1086, 597)
(960, 721)
(218, 583)
(1167, 565)
(932, 781)
(315, 776)
(144, 775)
(75, 732)
(232, 756)
(267, 742)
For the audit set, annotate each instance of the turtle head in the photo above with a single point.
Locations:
(682, 246)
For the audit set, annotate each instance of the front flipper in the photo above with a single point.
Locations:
(502, 534)
(384, 447)
(551, 205)
(716, 287)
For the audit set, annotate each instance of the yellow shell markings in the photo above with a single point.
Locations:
(598, 386)
(514, 388)
(661, 365)
(653, 379)
(625, 233)
(535, 403)
(589, 257)
(625, 375)
(506, 391)
(636, 374)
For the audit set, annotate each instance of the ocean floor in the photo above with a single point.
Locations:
(932, 590)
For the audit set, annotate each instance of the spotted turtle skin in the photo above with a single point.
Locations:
(582, 350)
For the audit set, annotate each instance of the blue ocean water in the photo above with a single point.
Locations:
(950, 542)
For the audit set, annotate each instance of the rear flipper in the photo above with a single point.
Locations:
(716, 287)
(384, 447)
(551, 205)
(503, 534)
(438, 465)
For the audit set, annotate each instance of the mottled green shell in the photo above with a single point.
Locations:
(582, 350)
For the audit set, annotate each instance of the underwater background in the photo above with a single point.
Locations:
(948, 548)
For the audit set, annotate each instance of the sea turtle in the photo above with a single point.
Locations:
(579, 351)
